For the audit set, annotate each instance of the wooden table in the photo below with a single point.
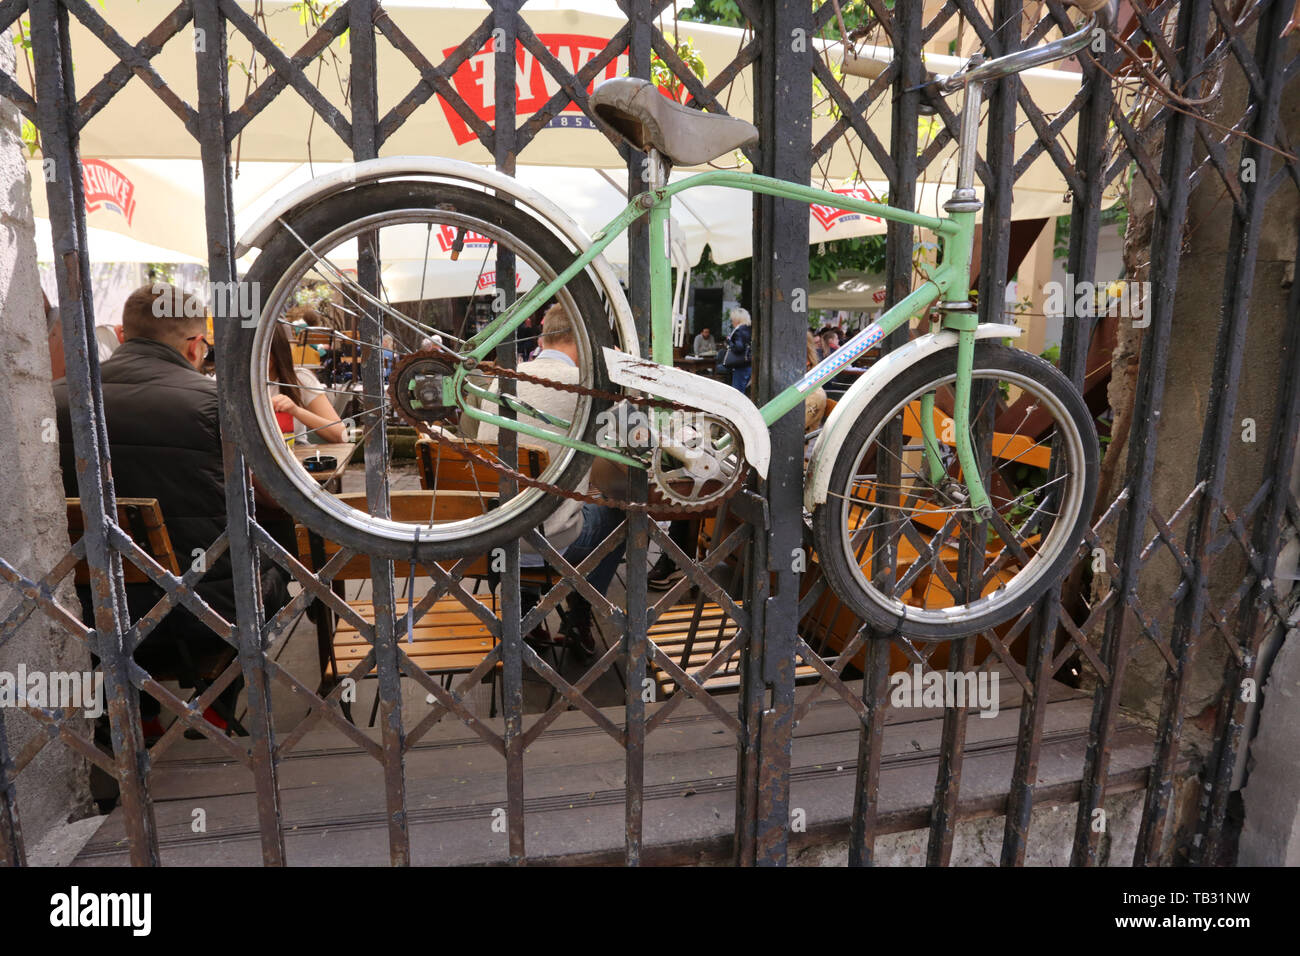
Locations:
(341, 451)
(700, 365)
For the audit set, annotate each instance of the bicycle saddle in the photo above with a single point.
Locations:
(649, 120)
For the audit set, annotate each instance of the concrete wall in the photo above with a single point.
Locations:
(1198, 310)
(1270, 833)
(979, 842)
(33, 526)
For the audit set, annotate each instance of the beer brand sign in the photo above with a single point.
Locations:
(475, 81)
(446, 235)
(488, 280)
(828, 216)
(107, 188)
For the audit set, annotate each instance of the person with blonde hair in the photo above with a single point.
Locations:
(739, 355)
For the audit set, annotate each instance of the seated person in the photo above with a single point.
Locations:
(705, 344)
(829, 338)
(165, 442)
(575, 528)
(297, 395)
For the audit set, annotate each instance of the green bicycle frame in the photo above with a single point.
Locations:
(948, 285)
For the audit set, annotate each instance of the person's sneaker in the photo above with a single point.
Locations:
(664, 574)
(578, 636)
(215, 719)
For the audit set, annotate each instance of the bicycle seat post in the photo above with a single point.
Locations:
(964, 198)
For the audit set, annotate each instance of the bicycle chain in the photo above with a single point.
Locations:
(462, 446)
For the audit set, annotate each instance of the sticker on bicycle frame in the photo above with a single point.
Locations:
(846, 354)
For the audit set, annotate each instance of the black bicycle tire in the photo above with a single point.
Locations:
(827, 519)
(329, 215)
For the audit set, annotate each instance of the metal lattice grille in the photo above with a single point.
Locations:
(774, 636)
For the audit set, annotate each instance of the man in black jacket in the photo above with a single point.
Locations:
(165, 442)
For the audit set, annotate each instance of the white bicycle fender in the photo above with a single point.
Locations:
(461, 173)
(868, 386)
(706, 394)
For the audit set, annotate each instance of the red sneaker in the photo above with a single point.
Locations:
(212, 717)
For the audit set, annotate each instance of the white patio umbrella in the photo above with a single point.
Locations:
(849, 289)
(144, 183)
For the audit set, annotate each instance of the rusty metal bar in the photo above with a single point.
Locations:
(1085, 222)
(906, 35)
(364, 129)
(994, 254)
(11, 836)
(866, 793)
(1216, 436)
(635, 642)
(783, 83)
(506, 20)
(1166, 242)
(1270, 52)
(56, 119)
(214, 98)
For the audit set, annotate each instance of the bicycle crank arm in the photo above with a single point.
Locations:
(707, 395)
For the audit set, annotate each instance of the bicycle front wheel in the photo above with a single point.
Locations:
(906, 552)
(437, 257)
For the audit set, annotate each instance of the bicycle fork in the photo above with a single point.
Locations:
(979, 499)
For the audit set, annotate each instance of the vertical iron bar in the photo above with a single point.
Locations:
(365, 113)
(1244, 241)
(636, 641)
(908, 24)
(1085, 224)
(994, 255)
(506, 20)
(220, 220)
(11, 836)
(1166, 241)
(871, 738)
(56, 120)
(1211, 467)
(1267, 540)
(784, 90)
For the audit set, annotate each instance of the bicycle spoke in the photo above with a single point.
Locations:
(323, 388)
(365, 294)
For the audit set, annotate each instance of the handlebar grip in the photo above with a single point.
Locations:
(863, 66)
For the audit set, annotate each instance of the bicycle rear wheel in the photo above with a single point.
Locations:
(905, 553)
(437, 250)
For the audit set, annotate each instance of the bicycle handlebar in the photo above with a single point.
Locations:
(1104, 14)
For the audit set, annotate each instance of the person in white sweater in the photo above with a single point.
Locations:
(574, 529)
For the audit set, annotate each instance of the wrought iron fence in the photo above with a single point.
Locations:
(1174, 148)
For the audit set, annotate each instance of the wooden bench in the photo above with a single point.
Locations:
(692, 631)
(451, 468)
(449, 638)
(692, 641)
